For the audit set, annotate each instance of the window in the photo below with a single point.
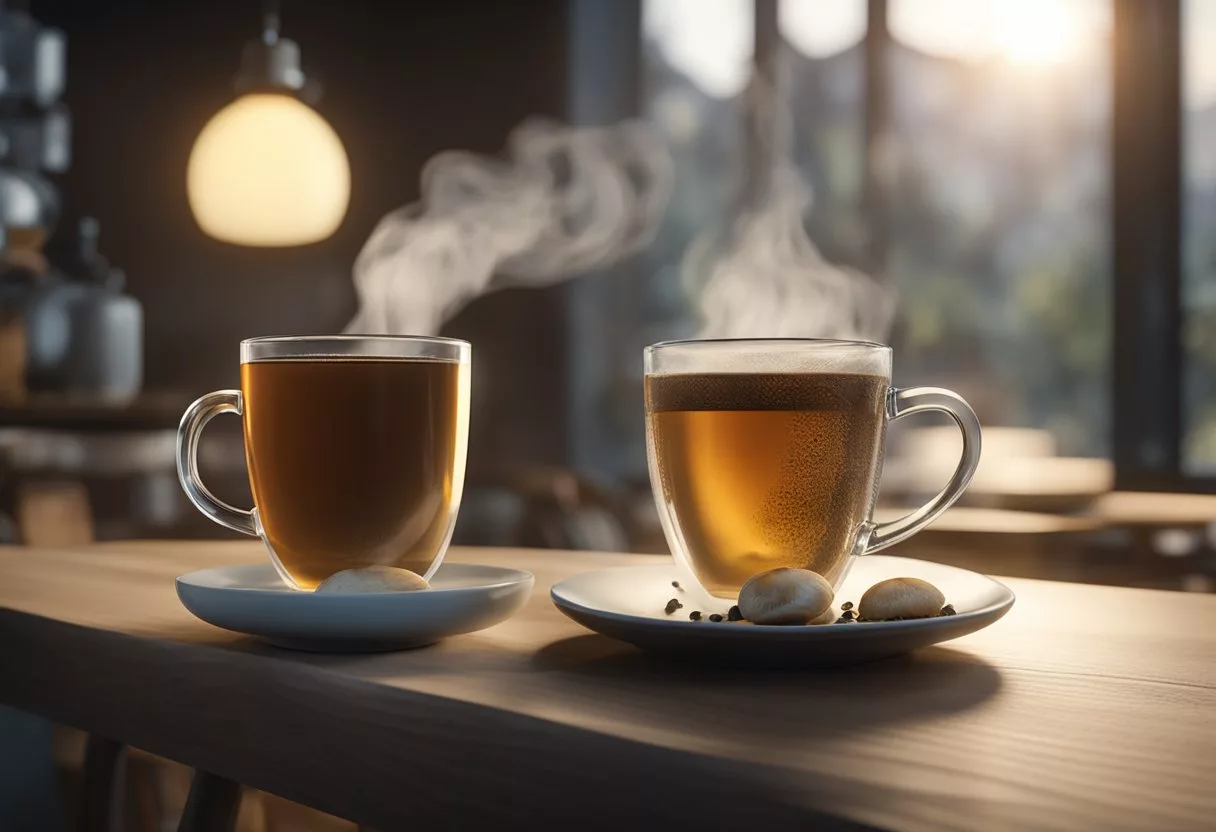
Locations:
(994, 164)
(998, 204)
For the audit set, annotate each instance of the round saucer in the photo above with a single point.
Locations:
(628, 603)
(251, 599)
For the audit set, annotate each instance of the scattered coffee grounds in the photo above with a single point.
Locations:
(848, 613)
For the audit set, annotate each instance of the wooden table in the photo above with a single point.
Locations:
(1085, 708)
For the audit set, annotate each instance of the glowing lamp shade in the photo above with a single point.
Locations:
(268, 171)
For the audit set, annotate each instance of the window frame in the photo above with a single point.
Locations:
(1146, 250)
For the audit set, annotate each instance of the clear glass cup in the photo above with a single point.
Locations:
(768, 453)
(356, 449)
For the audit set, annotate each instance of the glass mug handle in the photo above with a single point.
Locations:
(905, 402)
(194, 420)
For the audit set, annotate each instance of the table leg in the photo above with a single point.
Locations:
(212, 805)
(101, 796)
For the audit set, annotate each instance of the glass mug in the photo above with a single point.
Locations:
(355, 447)
(768, 453)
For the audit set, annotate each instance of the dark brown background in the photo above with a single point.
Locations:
(402, 82)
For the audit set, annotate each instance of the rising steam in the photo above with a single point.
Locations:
(763, 277)
(564, 202)
(770, 281)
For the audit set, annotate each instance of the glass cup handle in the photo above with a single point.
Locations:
(902, 403)
(194, 420)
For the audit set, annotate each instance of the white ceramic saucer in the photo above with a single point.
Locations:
(627, 604)
(251, 599)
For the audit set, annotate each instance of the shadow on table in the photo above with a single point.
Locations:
(930, 682)
(614, 681)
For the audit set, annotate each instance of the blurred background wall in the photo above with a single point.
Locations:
(401, 82)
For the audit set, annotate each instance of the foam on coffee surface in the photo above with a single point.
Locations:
(793, 391)
(774, 356)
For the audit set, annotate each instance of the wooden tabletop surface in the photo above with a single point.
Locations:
(1085, 708)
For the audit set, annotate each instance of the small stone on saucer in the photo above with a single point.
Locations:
(900, 598)
(373, 579)
(785, 596)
